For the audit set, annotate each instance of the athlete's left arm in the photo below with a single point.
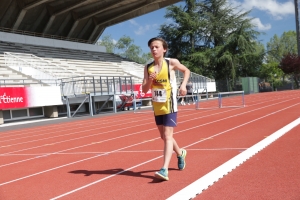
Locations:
(176, 65)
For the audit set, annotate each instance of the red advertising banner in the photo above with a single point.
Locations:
(137, 89)
(13, 97)
(23, 97)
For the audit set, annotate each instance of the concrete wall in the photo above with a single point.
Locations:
(30, 40)
(1, 117)
(50, 111)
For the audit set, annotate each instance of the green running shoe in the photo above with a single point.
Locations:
(162, 174)
(181, 160)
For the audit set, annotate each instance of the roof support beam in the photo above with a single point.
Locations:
(64, 10)
(24, 11)
(107, 7)
(146, 7)
(126, 12)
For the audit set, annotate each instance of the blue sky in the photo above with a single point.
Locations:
(270, 16)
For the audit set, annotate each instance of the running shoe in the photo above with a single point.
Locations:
(162, 174)
(181, 160)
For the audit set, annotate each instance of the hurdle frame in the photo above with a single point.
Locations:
(233, 92)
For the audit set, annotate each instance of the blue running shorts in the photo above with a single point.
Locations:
(167, 120)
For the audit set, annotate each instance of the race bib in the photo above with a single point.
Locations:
(159, 95)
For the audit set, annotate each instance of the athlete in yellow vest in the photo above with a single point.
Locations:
(159, 76)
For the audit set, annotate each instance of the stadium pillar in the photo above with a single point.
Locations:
(297, 25)
(51, 111)
(1, 117)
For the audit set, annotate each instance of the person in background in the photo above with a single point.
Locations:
(190, 92)
(181, 99)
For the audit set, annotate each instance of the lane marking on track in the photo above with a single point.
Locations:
(100, 180)
(136, 151)
(106, 122)
(142, 124)
(30, 122)
(28, 159)
(210, 178)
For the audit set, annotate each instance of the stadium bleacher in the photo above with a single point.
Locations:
(90, 81)
(79, 62)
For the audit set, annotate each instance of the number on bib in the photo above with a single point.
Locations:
(159, 95)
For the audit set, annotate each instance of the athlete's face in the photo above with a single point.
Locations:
(157, 49)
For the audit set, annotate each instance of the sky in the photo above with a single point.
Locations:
(269, 16)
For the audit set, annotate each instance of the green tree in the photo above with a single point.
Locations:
(290, 64)
(278, 47)
(271, 73)
(211, 38)
(108, 42)
(124, 47)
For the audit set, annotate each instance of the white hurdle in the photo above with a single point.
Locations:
(223, 95)
(222, 99)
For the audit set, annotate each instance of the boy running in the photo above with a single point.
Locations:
(159, 76)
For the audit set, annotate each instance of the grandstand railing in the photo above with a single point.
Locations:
(8, 30)
(102, 85)
(133, 69)
(179, 76)
(36, 67)
(199, 82)
(26, 82)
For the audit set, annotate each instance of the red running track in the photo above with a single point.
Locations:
(116, 156)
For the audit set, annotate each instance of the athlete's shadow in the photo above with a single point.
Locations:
(121, 171)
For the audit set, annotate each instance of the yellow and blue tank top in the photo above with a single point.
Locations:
(164, 90)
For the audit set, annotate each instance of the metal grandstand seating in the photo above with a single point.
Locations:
(78, 62)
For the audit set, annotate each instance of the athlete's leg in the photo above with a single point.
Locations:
(161, 130)
(169, 145)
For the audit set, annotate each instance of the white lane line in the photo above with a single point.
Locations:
(97, 127)
(107, 177)
(9, 134)
(78, 161)
(100, 180)
(210, 178)
(103, 127)
(133, 134)
(91, 152)
(30, 122)
(139, 132)
(77, 147)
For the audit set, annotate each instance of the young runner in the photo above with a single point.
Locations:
(159, 76)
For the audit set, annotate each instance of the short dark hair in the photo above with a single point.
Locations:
(164, 43)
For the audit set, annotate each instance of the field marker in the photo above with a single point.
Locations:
(210, 178)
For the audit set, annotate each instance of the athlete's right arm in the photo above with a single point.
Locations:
(148, 78)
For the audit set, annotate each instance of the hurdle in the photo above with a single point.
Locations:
(231, 99)
(235, 99)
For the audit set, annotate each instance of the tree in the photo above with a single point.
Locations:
(277, 47)
(271, 73)
(124, 47)
(108, 42)
(290, 64)
(184, 34)
(211, 38)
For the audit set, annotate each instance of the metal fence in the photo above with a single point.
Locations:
(28, 82)
(102, 85)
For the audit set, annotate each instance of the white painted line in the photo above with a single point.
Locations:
(107, 177)
(78, 161)
(140, 151)
(100, 180)
(5, 165)
(210, 178)
(30, 122)
(28, 176)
